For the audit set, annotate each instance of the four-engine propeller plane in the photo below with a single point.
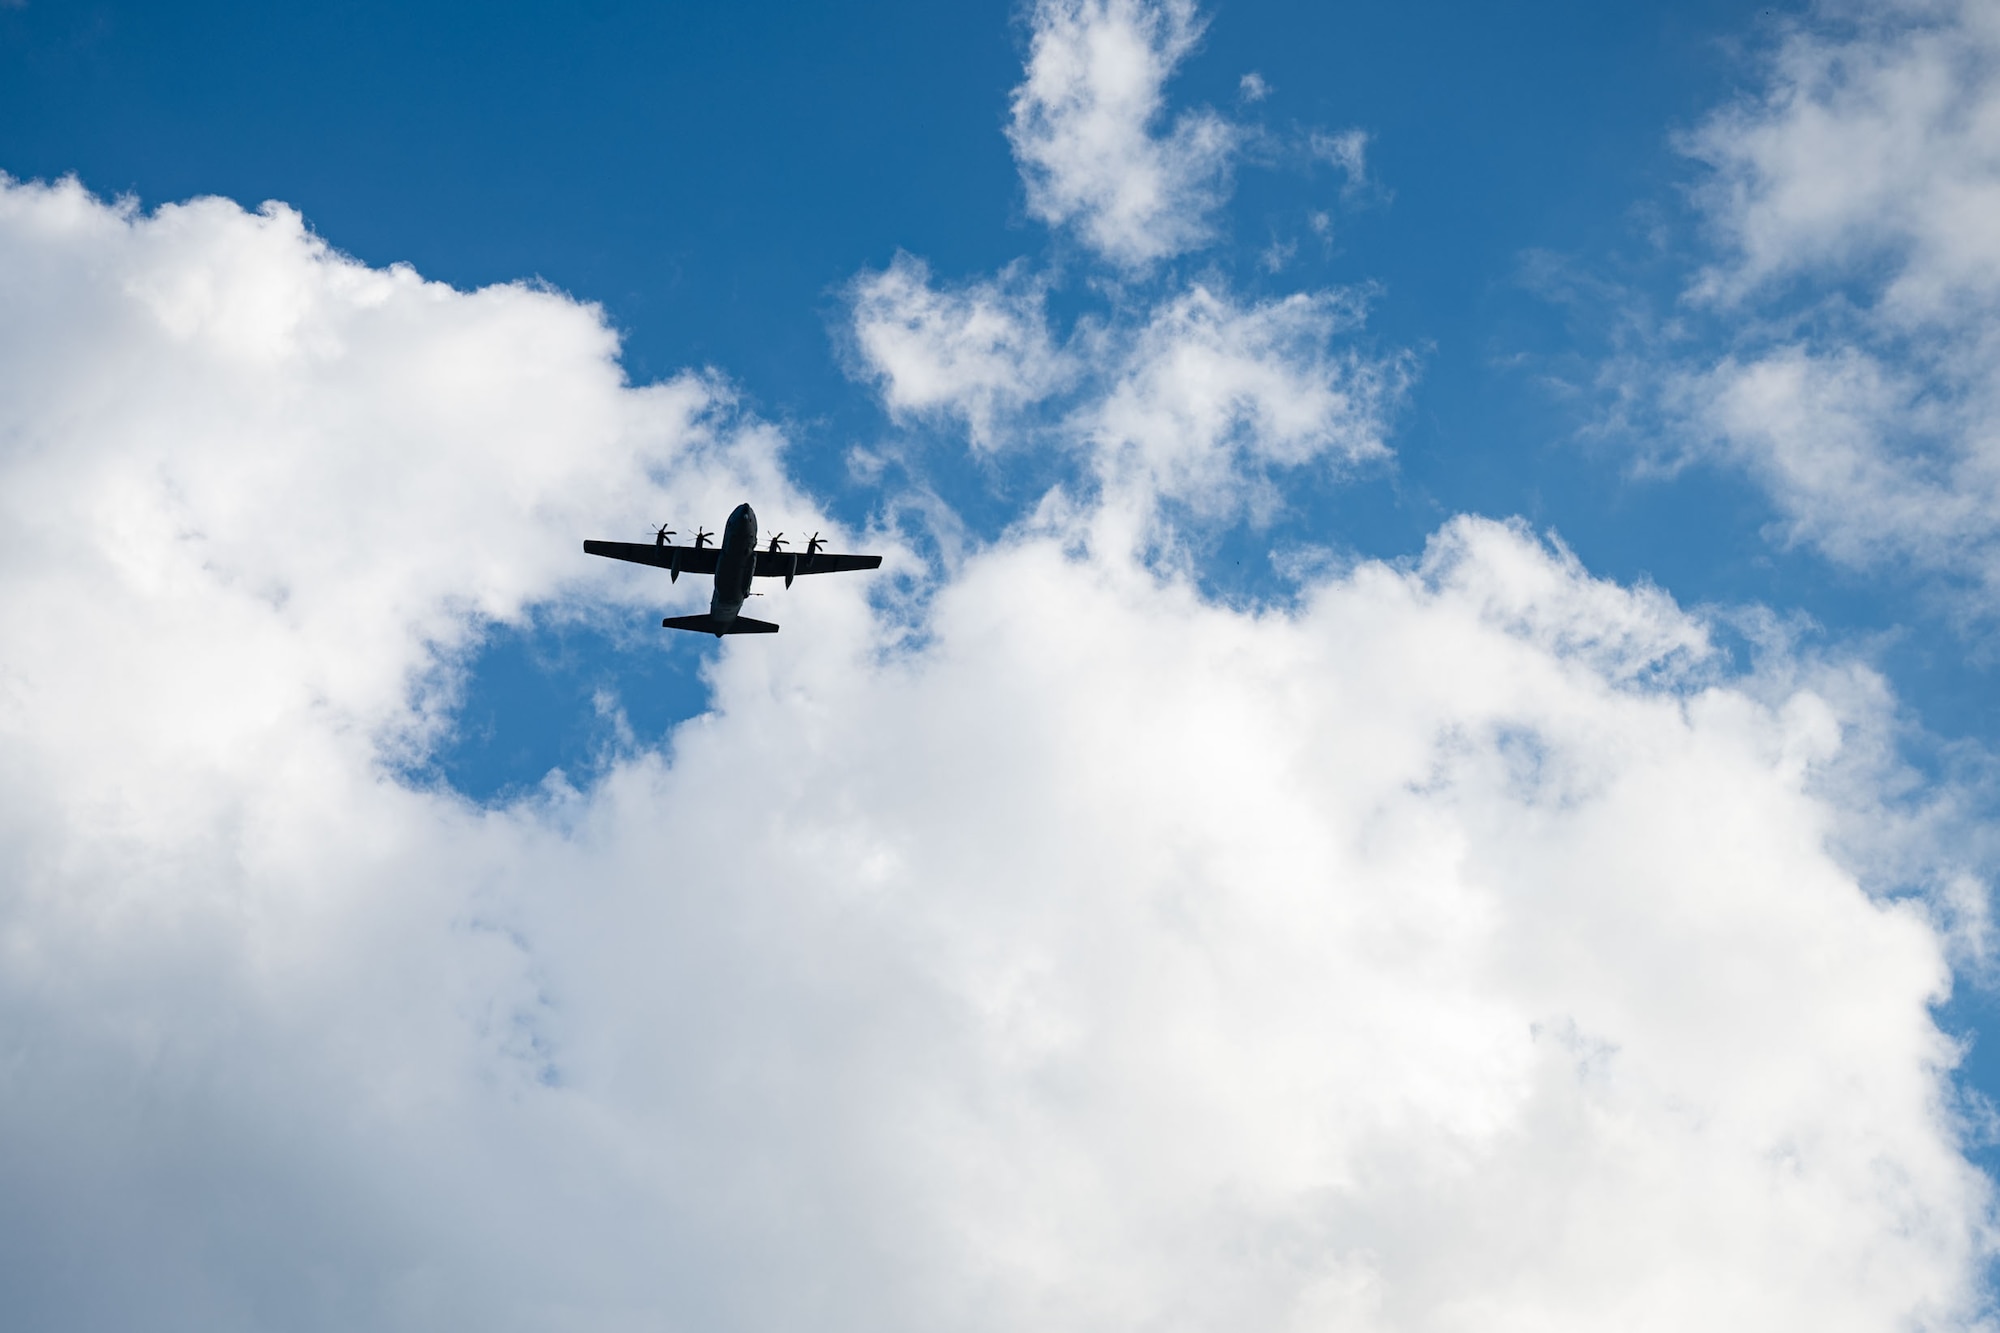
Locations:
(734, 564)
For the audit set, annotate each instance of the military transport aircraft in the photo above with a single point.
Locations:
(733, 564)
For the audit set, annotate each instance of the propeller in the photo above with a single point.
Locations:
(777, 542)
(661, 533)
(701, 536)
(813, 545)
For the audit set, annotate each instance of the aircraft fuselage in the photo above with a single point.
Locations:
(735, 565)
(732, 564)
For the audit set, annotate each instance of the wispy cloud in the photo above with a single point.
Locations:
(1347, 150)
(1851, 198)
(1199, 399)
(980, 353)
(1210, 394)
(1086, 129)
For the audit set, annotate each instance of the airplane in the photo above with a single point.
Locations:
(733, 564)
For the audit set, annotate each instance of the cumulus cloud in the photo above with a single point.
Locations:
(353, 464)
(979, 353)
(1853, 197)
(1866, 463)
(1198, 399)
(1457, 948)
(1212, 394)
(1187, 394)
(1083, 129)
(1875, 141)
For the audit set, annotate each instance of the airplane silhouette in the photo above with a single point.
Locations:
(733, 564)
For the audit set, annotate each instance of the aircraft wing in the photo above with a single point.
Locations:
(790, 564)
(678, 559)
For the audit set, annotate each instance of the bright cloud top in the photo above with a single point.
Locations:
(1185, 394)
(1854, 197)
(1210, 395)
(352, 467)
(1083, 130)
(1201, 399)
(979, 354)
(1456, 949)
(1876, 143)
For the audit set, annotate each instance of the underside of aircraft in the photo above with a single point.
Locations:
(733, 565)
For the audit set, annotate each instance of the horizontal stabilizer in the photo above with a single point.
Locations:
(710, 625)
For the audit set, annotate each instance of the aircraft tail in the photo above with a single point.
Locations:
(710, 625)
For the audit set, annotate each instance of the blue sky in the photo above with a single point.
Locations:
(715, 180)
(1591, 267)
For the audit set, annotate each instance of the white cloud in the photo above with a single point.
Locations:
(1209, 394)
(1196, 399)
(980, 353)
(1347, 150)
(1460, 949)
(1862, 459)
(1253, 87)
(1193, 398)
(1874, 149)
(1853, 199)
(209, 406)
(1083, 122)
